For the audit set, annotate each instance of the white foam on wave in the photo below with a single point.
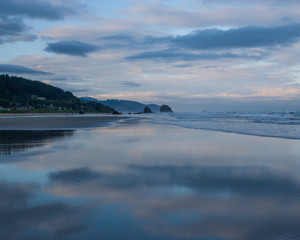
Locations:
(267, 124)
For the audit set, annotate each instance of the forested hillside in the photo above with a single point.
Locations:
(13, 88)
(18, 94)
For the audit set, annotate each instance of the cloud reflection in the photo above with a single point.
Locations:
(74, 175)
(190, 202)
(21, 219)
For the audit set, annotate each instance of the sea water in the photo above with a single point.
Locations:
(268, 124)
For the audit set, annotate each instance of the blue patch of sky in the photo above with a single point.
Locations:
(111, 9)
(179, 4)
(10, 51)
(41, 25)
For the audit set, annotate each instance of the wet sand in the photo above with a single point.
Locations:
(148, 181)
(56, 122)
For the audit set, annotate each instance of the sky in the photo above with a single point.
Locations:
(193, 55)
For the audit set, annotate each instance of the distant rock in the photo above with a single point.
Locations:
(116, 113)
(147, 110)
(124, 106)
(165, 108)
(154, 107)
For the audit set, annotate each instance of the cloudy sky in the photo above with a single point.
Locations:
(191, 54)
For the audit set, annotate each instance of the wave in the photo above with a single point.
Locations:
(267, 124)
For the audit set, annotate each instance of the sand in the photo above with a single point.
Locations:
(56, 122)
(146, 181)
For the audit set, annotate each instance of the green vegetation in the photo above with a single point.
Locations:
(20, 95)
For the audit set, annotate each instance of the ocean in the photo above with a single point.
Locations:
(267, 124)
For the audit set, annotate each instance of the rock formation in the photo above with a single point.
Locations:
(165, 108)
(147, 110)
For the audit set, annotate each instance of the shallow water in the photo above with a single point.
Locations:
(268, 124)
(148, 181)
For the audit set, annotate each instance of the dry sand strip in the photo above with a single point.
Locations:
(63, 122)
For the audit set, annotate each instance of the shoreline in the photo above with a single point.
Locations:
(34, 114)
(69, 121)
(56, 121)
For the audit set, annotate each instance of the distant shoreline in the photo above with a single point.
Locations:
(50, 121)
(35, 114)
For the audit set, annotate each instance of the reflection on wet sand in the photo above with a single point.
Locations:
(20, 219)
(13, 141)
(189, 202)
(145, 182)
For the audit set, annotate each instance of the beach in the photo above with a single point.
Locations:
(139, 180)
(57, 121)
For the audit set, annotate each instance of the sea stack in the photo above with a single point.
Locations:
(147, 110)
(165, 108)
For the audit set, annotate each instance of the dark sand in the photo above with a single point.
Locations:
(62, 122)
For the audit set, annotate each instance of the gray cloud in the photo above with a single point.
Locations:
(13, 29)
(132, 41)
(119, 37)
(175, 55)
(123, 41)
(59, 79)
(81, 90)
(216, 39)
(64, 78)
(245, 37)
(35, 9)
(18, 69)
(11, 26)
(131, 84)
(174, 48)
(12, 12)
(74, 48)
